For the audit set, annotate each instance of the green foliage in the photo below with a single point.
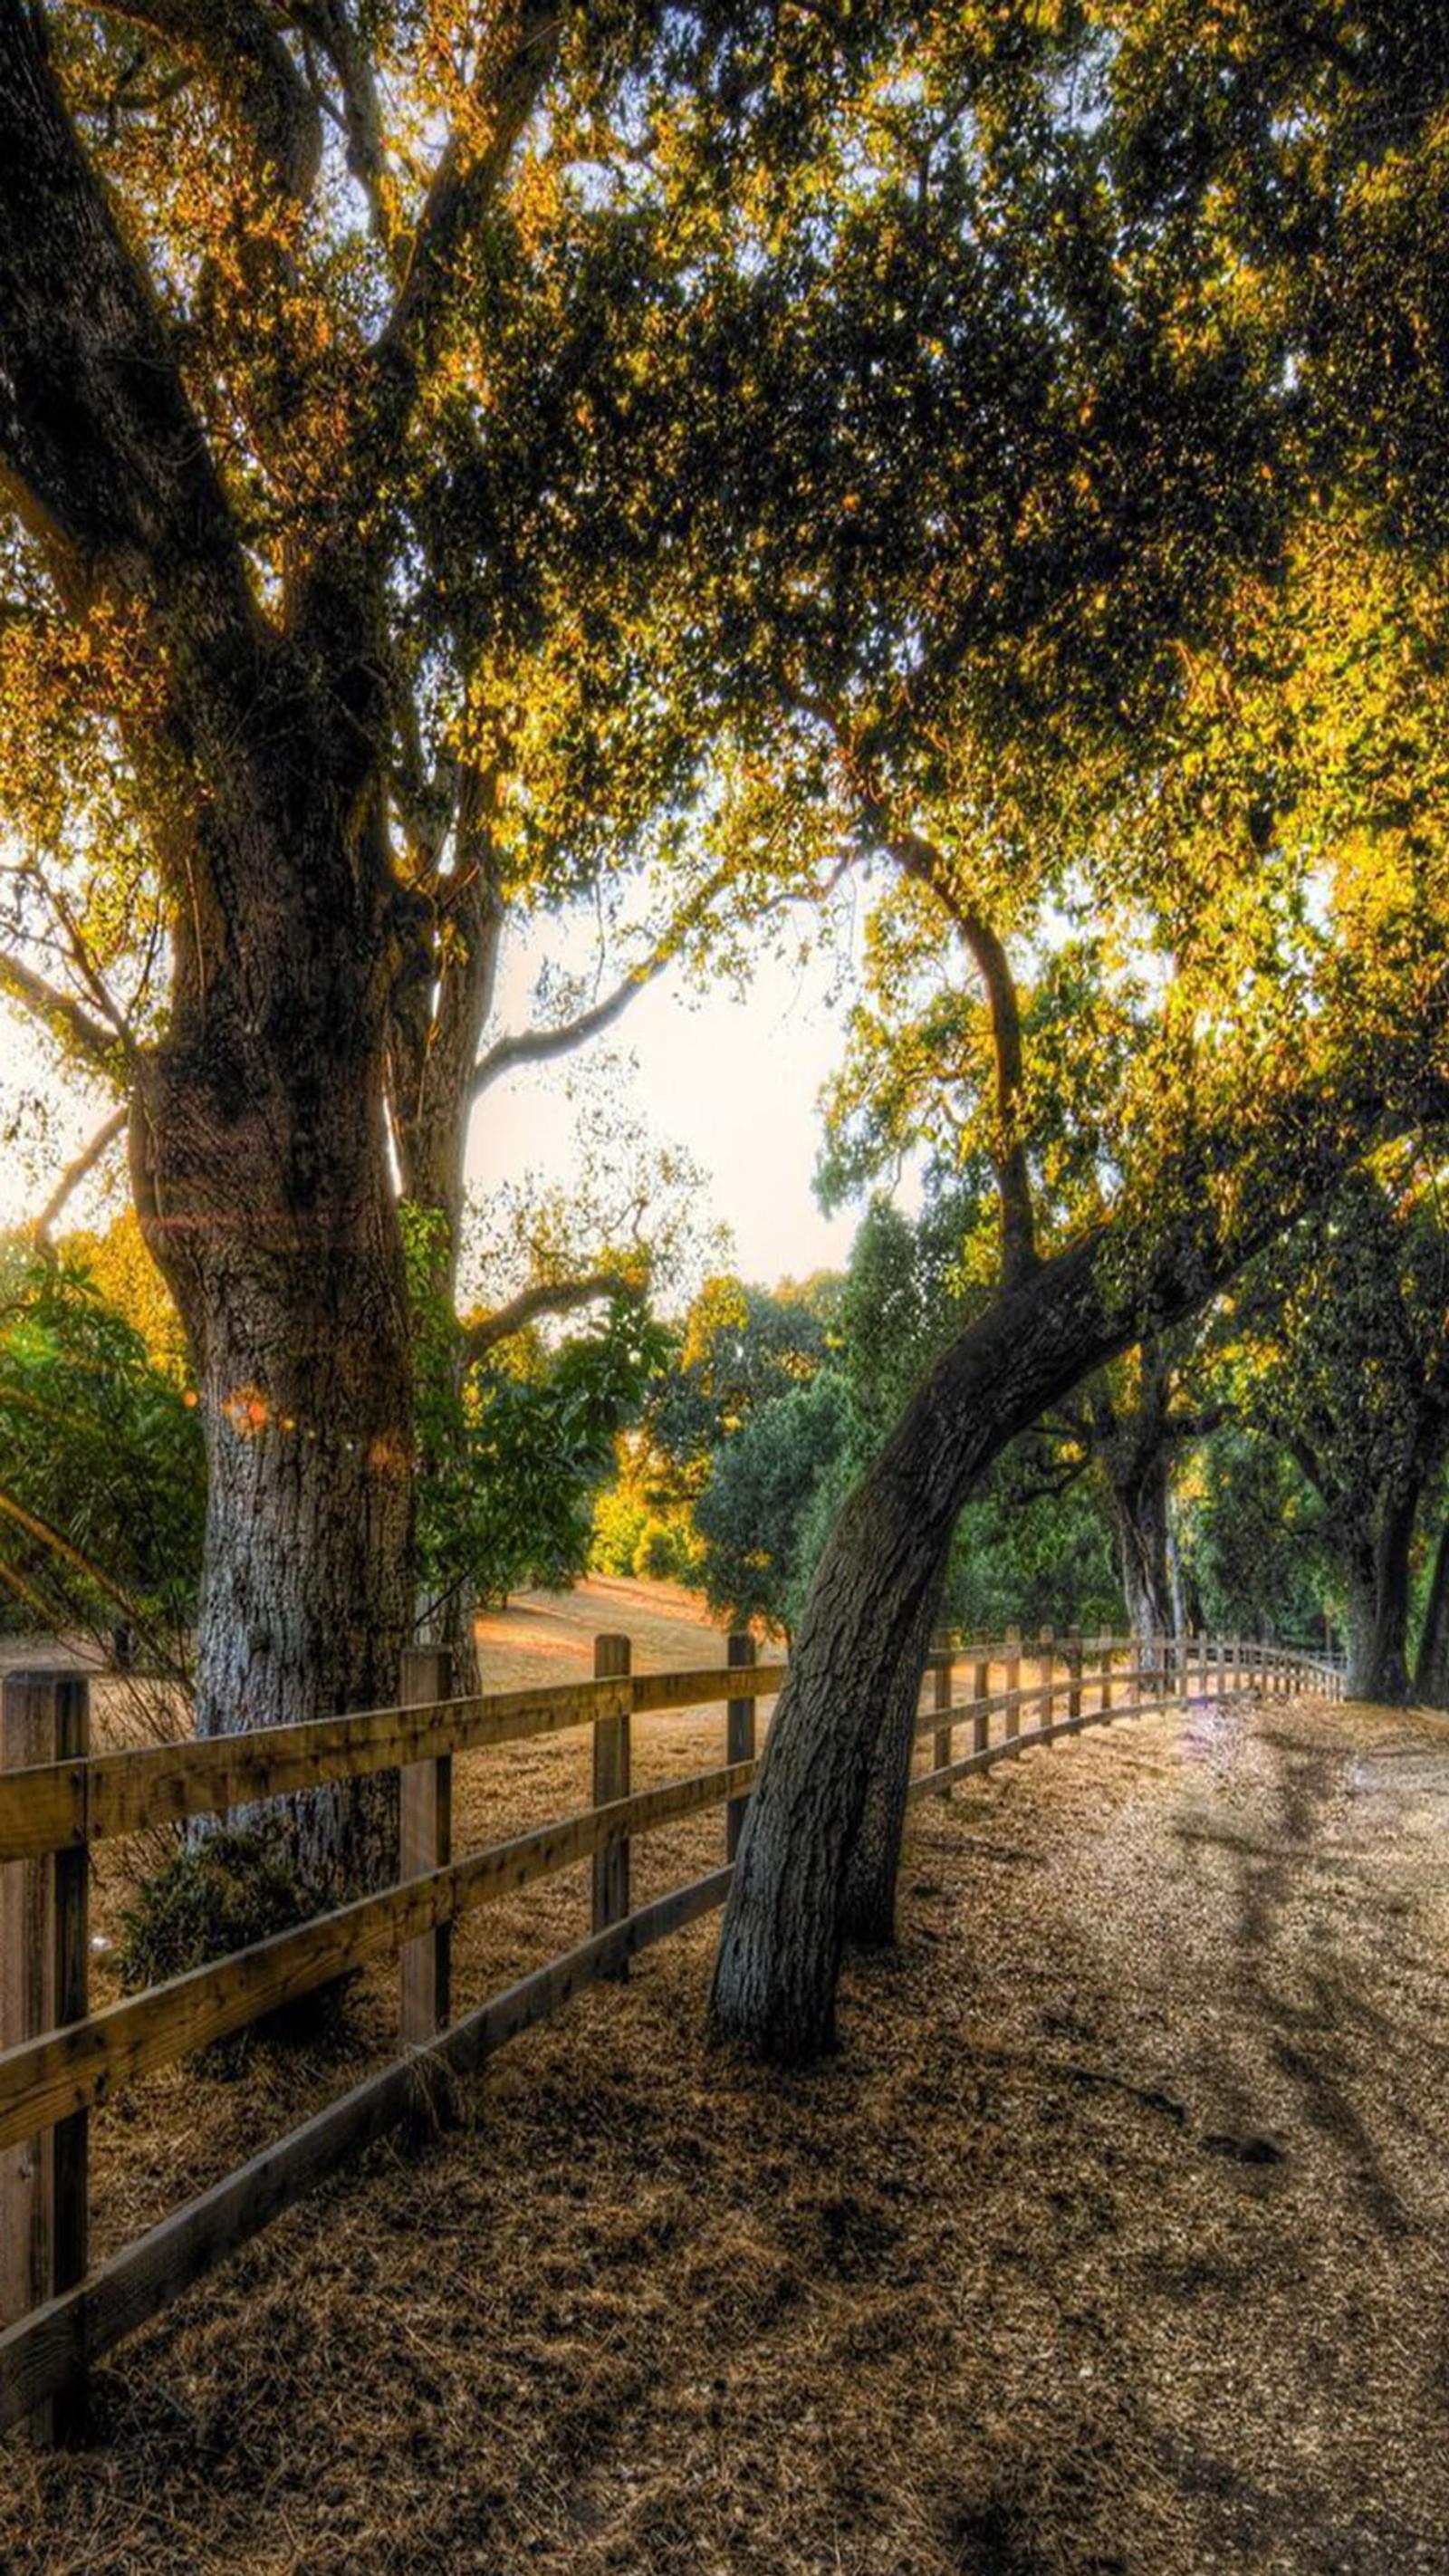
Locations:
(515, 1448)
(1344, 1357)
(1252, 1532)
(1042, 1562)
(740, 1347)
(102, 1475)
(214, 1896)
(759, 1513)
(906, 1292)
(621, 1518)
(631, 1537)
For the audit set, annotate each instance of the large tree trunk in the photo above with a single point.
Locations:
(261, 1177)
(1431, 1669)
(1377, 1573)
(868, 1905)
(1139, 1512)
(862, 1642)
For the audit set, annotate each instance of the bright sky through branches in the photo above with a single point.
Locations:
(732, 1080)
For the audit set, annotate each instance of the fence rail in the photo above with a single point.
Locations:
(59, 2061)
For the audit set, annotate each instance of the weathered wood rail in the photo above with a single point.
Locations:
(59, 2061)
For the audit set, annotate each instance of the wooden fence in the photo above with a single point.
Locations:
(59, 2061)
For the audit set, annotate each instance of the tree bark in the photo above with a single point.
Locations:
(1135, 1445)
(1139, 1510)
(260, 1174)
(1431, 1669)
(1377, 1572)
(257, 1140)
(868, 1904)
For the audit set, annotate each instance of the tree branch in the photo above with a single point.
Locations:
(1306, 1459)
(1050, 1487)
(63, 1017)
(77, 1170)
(329, 23)
(101, 453)
(1199, 1424)
(919, 858)
(254, 73)
(540, 1046)
(564, 1297)
(509, 83)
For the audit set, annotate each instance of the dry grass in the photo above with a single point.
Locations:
(1114, 2243)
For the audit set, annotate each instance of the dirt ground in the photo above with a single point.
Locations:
(1114, 2242)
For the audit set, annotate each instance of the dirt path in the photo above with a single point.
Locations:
(1114, 2243)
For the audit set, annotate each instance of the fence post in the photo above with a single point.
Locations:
(425, 1841)
(1046, 1664)
(1104, 1658)
(981, 1690)
(1074, 1678)
(44, 1972)
(942, 1662)
(1011, 1662)
(612, 1659)
(739, 1738)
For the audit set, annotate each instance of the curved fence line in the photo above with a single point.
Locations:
(60, 2060)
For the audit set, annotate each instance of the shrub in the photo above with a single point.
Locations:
(620, 1520)
(218, 1895)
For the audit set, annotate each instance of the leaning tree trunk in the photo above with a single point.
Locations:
(1377, 1575)
(868, 1903)
(261, 1178)
(862, 1641)
(1431, 1668)
(865, 1620)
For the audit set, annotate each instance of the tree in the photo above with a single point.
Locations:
(516, 1440)
(740, 1347)
(1253, 1536)
(1431, 1664)
(333, 346)
(905, 1289)
(756, 1512)
(1348, 1368)
(1030, 1548)
(1265, 816)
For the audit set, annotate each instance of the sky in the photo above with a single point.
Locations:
(732, 1078)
